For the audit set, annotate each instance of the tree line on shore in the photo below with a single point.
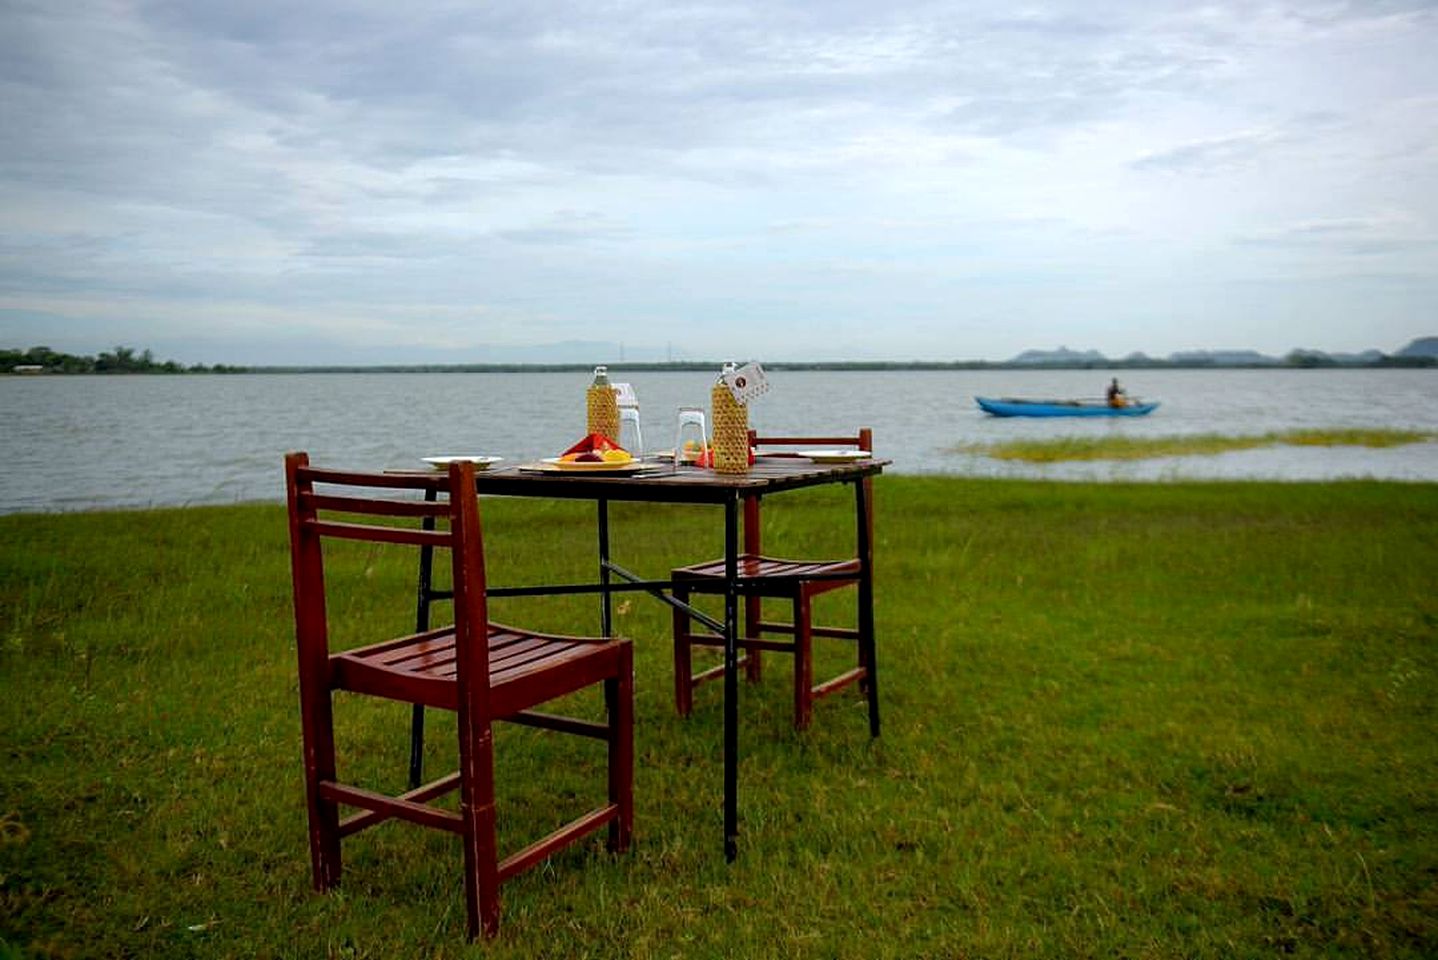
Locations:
(126, 360)
(120, 360)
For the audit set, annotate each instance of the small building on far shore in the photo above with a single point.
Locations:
(27, 368)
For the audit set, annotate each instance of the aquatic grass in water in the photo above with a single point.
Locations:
(1143, 448)
(1176, 720)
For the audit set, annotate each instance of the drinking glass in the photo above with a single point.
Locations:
(630, 437)
(691, 426)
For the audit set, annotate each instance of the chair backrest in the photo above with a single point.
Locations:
(448, 518)
(863, 439)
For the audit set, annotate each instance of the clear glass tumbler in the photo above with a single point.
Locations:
(630, 437)
(690, 428)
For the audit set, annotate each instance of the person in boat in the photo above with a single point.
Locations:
(1116, 396)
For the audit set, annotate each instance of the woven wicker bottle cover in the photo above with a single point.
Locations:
(602, 405)
(731, 429)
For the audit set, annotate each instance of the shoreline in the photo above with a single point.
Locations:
(1166, 482)
(701, 366)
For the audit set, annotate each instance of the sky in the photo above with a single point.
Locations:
(274, 182)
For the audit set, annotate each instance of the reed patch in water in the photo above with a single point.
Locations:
(1207, 444)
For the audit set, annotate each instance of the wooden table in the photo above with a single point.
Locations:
(687, 485)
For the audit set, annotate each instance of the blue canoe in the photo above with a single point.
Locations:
(1012, 407)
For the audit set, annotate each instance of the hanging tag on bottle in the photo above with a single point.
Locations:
(747, 382)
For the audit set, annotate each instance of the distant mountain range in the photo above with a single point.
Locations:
(1421, 352)
(1417, 353)
(581, 355)
(1422, 347)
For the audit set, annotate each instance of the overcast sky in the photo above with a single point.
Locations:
(274, 181)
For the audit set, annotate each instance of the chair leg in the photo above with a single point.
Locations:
(869, 685)
(476, 807)
(683, 662)
(324, 815)
(803, 662)
(619, 697)
(753, 614)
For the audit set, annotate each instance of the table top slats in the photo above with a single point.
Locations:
(668, 484)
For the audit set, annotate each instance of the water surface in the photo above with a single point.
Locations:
(87, 442)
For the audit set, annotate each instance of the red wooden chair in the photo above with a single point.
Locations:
(480, 670)
(795, 581)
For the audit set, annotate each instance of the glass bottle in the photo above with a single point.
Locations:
(603, 406)
(731, 428)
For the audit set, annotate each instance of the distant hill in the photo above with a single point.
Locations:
(1062, 356)
(1421, 352)
(1422, 347)
(583, 354)
(1224, 358)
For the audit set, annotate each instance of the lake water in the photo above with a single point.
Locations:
(93, 442)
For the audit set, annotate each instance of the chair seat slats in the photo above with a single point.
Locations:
(435, 658)
(516, 657)
(429, 659)
(398, 643)
(553, 659)
(768, 568)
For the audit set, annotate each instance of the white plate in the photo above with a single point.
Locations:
(480, 463)
(593, 466)
(837, 456)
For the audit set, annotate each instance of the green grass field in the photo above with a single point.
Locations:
(1171, 720)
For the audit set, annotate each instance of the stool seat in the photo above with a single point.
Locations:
(777, 575)
(764, 577)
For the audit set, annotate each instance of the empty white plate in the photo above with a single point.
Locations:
(837, 456)
(480, 463)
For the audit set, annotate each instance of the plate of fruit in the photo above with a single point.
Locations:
(596, 453)
(595, 462)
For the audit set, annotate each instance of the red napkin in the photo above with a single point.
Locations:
(594, 443)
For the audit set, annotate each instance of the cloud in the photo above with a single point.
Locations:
(568, 227)
(690, 170)
(1356, 236)
(1213, 155)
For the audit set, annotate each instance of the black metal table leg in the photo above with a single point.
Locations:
(421, 624)
(731, 679)
(866, 601)
(606, 610)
